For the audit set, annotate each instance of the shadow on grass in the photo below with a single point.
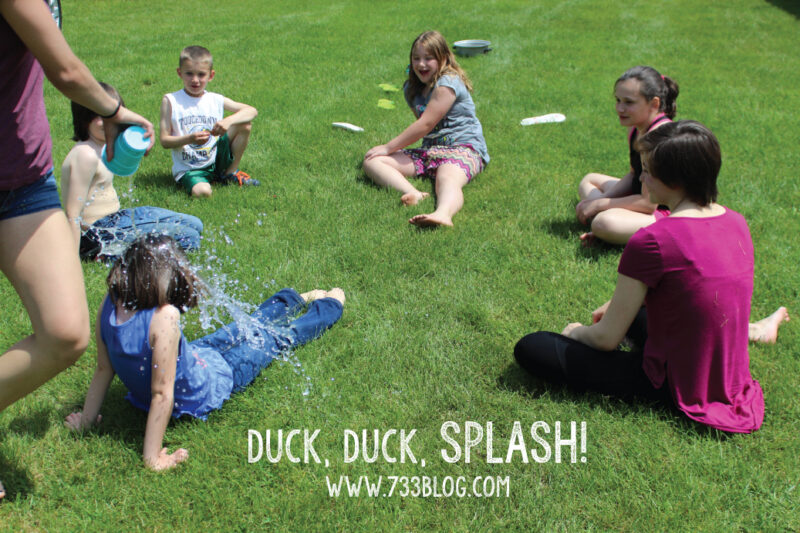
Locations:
(121, 420)
(155, 180)
(516, 379)
(33, 425)
(17, 482)
(790, 6)
(566, 229)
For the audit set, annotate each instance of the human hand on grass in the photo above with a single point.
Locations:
(165, 461)
(77, 422)
(376, 151)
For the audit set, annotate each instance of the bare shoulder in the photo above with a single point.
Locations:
(166, 313)
(83, 160)
(165, 325)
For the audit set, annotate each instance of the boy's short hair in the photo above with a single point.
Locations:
(83, 116)
(196, 53)
(684, 154)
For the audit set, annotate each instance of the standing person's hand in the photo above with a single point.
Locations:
(124, 116)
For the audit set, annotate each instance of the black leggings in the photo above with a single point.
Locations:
(559, 359)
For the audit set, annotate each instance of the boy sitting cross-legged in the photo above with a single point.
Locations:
(206, 146)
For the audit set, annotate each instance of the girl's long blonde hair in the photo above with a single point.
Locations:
(436, 45)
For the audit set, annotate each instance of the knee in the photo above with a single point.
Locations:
(201, 190)
(65, 341)
(588, 183)
(369, 166)
(607, 227)
(536, 353)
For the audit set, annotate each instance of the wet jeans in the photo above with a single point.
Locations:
(110, 235)
(249, 346)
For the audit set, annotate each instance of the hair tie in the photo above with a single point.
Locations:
(662, 77)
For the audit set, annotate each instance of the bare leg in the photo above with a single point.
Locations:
(595, 185)
(201, 190)
(393, 171)
(616, 226)
(239, 135)
(450, 181)
(766, 329)
(38, 255)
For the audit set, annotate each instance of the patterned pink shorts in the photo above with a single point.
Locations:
(427, 160)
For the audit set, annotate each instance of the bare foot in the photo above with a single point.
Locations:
(337, 294)
(413, 198)
(310, 296)
(766, 329)
(431, 219)
(587, 239)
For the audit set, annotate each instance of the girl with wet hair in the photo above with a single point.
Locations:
(139, 338)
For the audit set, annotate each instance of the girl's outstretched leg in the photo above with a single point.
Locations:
(321, 315)
(277, 307)
(450, 179)
(393, 171)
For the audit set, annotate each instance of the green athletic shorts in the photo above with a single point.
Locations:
(212, 172)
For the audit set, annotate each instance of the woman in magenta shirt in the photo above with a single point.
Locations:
(693, 272)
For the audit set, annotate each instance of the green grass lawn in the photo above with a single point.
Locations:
(431, 316)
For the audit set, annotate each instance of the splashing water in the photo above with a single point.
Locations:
(223, 307)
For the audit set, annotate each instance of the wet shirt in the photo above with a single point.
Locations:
(460, 125)
(203, 380)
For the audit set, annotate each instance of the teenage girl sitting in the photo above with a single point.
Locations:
(682, 297)
(617, 208)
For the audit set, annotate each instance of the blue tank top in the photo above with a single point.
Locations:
(203, 380)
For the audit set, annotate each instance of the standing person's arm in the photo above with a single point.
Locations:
(34, 25)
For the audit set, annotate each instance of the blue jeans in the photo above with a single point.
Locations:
(270, 332)
(110, 235)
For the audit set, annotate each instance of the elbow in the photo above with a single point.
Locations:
(606, 342)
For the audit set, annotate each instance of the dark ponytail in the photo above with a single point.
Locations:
(653, 84)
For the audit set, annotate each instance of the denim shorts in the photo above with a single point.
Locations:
(40, 195)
